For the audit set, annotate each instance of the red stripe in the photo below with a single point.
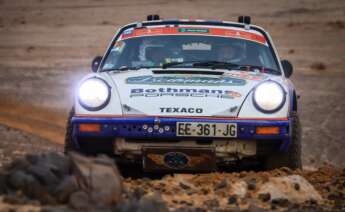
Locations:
(195, 117)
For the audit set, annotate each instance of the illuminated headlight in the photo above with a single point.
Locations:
(94, 94)
(269, 97)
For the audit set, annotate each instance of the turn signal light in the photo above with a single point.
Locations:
(267, 130)
(89, 127)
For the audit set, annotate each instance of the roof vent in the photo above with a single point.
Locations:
(154, 17)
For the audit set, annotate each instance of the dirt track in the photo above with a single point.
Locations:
(45, 46)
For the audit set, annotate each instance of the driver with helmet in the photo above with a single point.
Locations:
(230, 53)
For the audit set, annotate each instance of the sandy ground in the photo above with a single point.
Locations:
(46, 46)
(15, 144)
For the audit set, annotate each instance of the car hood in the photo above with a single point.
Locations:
(184, 92)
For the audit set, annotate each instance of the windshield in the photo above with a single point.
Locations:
(146, 49)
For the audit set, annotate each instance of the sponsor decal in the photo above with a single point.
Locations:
(128, 31)
(209, 81)
(179, 160)
(197, 46)
(247, 75)
(176, 160)
(184, 92)
(172, 60)
(193, 30)
(180, 110)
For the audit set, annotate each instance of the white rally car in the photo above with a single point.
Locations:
(188, 95)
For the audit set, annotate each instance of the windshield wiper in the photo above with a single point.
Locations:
(167, 65)
(126, 68)
(215, 64)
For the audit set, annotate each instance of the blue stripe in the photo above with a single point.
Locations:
(132, 127)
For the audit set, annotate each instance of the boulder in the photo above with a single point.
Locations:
(99, 177)
(66, 188)
(292, 188)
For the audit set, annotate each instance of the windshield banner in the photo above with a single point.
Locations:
(223, 32)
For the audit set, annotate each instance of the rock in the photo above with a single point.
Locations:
(57, 163)
(211, 203)
(128, 206)
(222, 184)
(286, 170)
(16, 199)
(281, 202)
(20, 180)
(239, 188)
(251, 184)
(18, 164)
(60, 163)
(148, 203)
(264, 197)
(284, 188)
(138, 193)
(79, 201)
(66, 188)
(44, 173)
(99, 177)
(185, 185)
(57, 209)
(297, 187)
(232, 199)
(152, 204)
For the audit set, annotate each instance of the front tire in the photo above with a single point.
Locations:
(292, 157)
(69, 145)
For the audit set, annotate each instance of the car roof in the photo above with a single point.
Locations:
(197, 22)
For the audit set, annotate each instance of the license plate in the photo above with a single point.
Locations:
(206, 129)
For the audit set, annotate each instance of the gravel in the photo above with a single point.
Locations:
(43, 181)
(15, 144)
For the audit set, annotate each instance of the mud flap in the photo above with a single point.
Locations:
(179, 159)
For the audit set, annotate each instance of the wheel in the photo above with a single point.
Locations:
(292, 157)
(69, 146)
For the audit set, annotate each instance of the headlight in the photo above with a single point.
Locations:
(94, 94)
(269, 97)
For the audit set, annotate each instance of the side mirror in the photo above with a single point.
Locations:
(95, 63)
(288, 68)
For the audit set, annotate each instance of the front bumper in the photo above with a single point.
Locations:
(165, 127)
